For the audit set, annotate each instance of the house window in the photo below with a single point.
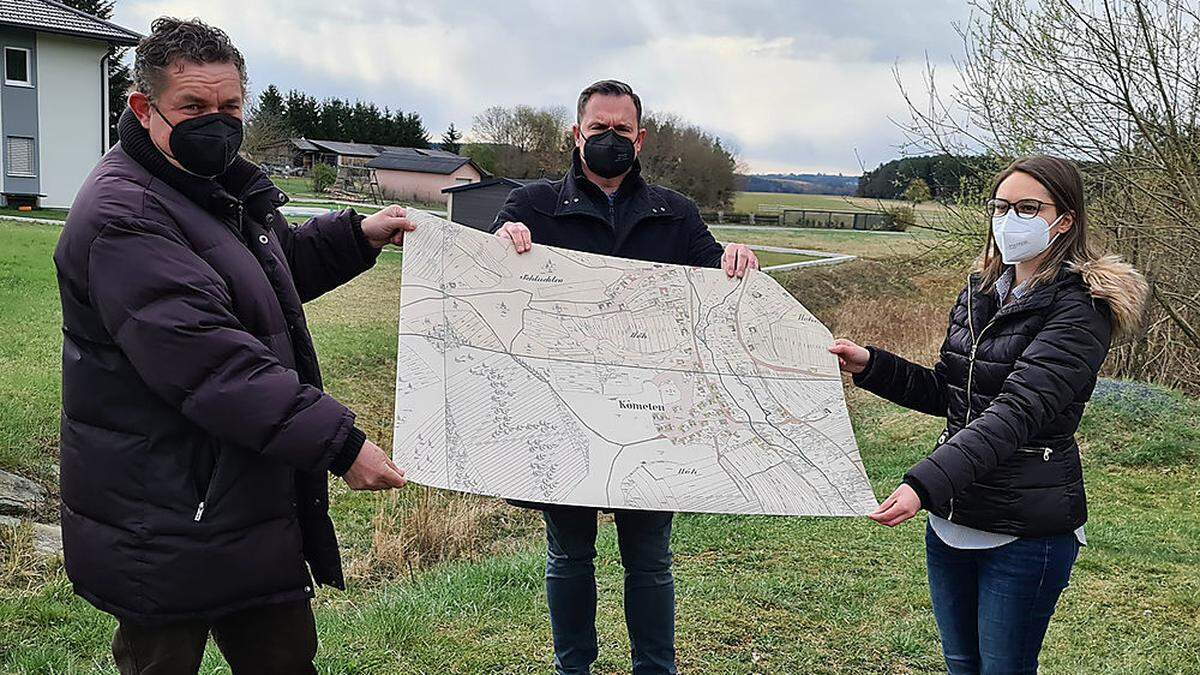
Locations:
(20, 156)
(17, 67)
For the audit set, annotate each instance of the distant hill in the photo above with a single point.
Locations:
(800, 183)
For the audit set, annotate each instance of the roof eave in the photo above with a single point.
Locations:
(124, 42)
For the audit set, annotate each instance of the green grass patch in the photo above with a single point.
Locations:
(771, 258)
(755, 594)
(50, 214)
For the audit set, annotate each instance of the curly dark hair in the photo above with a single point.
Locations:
(172, 39)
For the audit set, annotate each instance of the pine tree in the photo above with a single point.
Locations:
(270, 102)
(452, 140)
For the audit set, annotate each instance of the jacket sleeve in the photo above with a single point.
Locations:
(704, 249)
(325, 252)
(170, 316)
(1054, 370)
(905, 383)
(513, 207)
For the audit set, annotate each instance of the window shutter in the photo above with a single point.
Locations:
(20, 156)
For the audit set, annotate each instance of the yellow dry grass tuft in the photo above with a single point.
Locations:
(435, 526)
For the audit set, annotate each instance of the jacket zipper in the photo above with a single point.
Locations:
(203, 497)
(974, 344)
(1044, 452)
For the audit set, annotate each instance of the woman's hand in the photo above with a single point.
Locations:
(851, 358)
(902, 505)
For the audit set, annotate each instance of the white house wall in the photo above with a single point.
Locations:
(72, 117)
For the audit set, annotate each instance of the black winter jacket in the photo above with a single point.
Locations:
(644, 222)
(1012, 382)
(195, 435)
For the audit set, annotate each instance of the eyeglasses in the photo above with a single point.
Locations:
(1025, 208)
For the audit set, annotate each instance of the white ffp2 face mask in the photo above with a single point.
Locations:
(1020, 239)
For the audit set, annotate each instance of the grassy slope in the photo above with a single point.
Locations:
(774, 595)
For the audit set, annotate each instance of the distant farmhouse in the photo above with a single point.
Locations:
(53, 100)
(417, 174)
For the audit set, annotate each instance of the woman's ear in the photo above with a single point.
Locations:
(1067, 222)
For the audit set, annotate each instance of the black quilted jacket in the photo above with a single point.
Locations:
(1012, 382)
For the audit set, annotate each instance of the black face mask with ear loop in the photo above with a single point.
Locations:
(609, 154)
(205, 145)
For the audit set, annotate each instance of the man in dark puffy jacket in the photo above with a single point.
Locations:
(603, 205)
(196, 439)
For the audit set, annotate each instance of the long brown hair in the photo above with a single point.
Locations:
(1062, 180)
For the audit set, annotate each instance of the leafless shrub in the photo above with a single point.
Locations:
(1115, 86)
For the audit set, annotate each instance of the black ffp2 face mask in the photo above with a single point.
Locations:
(207, 144)
(608, 154)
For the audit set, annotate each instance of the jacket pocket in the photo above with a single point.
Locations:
(205, 463)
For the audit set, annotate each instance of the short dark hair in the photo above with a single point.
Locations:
(172, 39)
(608, 88)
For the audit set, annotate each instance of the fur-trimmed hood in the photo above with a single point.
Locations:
(1122, 287)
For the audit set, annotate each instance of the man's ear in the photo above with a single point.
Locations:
(577, 135)
(140, 105)
(641, 137)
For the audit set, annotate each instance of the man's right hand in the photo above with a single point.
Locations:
(518, 234)
(373, 470)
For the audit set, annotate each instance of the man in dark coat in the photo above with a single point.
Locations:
(603, 205)
(196, 440)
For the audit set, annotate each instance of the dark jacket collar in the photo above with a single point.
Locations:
(634, 199)
(243, 183)
(1036, 298)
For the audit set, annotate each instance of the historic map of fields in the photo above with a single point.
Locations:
(571, 378)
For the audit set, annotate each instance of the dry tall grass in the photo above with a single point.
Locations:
(410, 533)
(21, 565)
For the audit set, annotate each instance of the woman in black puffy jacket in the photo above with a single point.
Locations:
(1004, 486)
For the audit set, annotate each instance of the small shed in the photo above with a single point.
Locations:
(421, 174)
(476, 204)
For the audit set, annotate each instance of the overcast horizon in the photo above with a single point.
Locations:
(801, 86)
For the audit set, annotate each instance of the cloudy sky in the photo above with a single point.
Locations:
(792, 85)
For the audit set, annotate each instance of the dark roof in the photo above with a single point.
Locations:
(511, 182)
(360, 149)
(349, 149)
(423, 161)
(54, 17)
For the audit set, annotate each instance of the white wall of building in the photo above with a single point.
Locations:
(71, 112)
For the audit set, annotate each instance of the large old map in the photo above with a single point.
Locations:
(570, 378)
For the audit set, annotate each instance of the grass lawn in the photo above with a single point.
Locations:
(755, 594)
(869, 245)
(51, 214)
(770, 258)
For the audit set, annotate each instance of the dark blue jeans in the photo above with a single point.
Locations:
(993, 605)
(644, 538)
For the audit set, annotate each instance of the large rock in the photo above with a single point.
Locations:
(20, 496)
(47, 539)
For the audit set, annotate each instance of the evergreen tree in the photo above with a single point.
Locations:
(451, 140)
(270, 103)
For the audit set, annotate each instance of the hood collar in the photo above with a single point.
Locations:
(1122, 287)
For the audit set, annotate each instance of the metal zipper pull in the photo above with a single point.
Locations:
(199, 513)
(1046, 454)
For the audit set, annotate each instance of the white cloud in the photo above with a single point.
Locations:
(799, 93)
